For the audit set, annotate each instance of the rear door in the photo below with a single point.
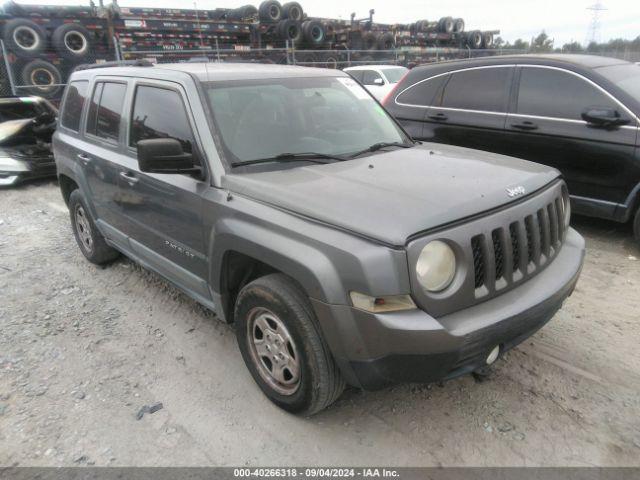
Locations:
(546, 126)
(471, 108)
(100, 153)
(164, 211)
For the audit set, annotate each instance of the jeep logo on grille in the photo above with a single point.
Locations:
(516, 191)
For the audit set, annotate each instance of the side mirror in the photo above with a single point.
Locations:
(603, 117)
(378, 81)
(164, 155)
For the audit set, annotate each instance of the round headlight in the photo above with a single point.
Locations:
(436, 266)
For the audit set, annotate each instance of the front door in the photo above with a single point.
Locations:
(546, 126)
(164, 211)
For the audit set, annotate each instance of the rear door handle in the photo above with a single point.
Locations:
(84, 158)
(438, 116)
(526, 125)
(129, 177)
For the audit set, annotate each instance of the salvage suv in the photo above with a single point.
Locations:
(288, 201)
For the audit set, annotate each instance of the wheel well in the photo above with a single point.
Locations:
(237, 271)
(67, 185)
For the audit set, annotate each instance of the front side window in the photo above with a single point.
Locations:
(483, 89)
(105, 110)
(73, 105)
(259, 119)
(369, 77)
(160, 113)
(553, 93)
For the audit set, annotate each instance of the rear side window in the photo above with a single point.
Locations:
(485, 89)
(357, 74)
(421, 94)
(105, 110)
(73, 105)
(160, 113)
(553, 93)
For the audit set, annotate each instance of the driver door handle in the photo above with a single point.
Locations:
(129, 177)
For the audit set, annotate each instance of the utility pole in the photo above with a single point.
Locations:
(593, 33)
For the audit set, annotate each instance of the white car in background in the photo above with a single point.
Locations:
(378, 79)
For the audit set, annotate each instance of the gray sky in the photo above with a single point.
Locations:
(563, 20)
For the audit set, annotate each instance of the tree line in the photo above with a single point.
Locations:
(543, 43)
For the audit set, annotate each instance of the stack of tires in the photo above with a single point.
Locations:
(29, 43)
(291, 23)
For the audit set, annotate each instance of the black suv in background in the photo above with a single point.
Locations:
(577, 113)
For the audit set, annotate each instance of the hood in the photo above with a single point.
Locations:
(393, 195)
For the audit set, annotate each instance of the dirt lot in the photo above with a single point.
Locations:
(82, 349)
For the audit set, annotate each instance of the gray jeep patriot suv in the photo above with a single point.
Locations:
(288, 201)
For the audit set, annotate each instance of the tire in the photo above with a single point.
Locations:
(386, 41)
(42, 78)
(289, 30)
(487, 40)
(458, 25)
(89, 239)
(72, 41)
(306, 59)
(445, 25)
(331, 61)
(24, 38)
(274, 311)
(313, 32)
(242, 13)
(292, 11)
(474, 39)
(636, 226)
(369, 41)
(270, 11)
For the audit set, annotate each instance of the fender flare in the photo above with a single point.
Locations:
(307, 265)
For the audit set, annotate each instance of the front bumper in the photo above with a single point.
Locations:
(375, 350)
(22, 169)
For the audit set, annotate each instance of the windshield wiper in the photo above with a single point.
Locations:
(377, 146)
(293, 157)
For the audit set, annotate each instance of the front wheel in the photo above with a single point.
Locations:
(282, 346)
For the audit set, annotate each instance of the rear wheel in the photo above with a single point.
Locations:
(91, 242)
(283, 348)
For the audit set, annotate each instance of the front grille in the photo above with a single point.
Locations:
(538, 236)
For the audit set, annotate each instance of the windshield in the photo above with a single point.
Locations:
(394, 75)
(626, 77)
(260, 119)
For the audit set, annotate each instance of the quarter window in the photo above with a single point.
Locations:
(160, 113)
(421, 94)
(73, 105)
(105, 110)
(553, 93)
(484, 89)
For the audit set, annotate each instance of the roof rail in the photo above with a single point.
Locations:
(121, 63)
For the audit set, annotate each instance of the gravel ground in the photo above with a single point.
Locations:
(83, 349)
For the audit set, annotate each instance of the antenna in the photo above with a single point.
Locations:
(593, 33)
